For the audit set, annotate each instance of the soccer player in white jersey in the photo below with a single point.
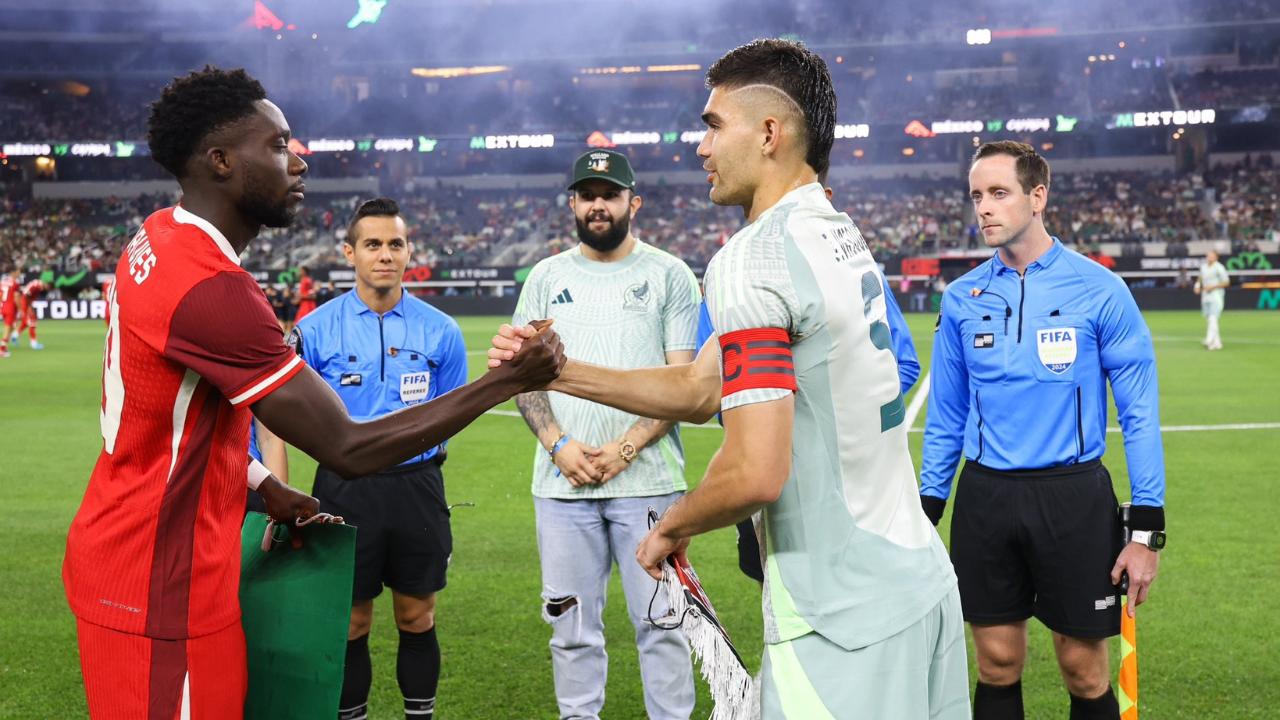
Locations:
(1211, 286)
(861, 612)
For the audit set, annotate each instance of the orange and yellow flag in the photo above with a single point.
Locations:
(1128, 664)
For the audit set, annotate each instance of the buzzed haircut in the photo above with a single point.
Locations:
(796, 71)
(192, 107)
(377, 207)
(1032, 169)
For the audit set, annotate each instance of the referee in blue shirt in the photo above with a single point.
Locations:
(1025, 345)
(383, 350)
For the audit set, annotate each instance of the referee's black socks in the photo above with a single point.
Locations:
(418, 672)
(356, 679)
(1103, 707)
(998, 702)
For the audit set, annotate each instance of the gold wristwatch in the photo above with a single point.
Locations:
(627, 450)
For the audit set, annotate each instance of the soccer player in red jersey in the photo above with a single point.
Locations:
(153, 555)
(27, 294)
(9, 291)
(306, 294)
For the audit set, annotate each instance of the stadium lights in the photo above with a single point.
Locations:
(980, 36)
(633, 69)
(455, 72)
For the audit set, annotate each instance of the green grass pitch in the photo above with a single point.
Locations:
(1207, 640)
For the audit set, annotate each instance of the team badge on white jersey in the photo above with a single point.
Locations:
(1057, 348)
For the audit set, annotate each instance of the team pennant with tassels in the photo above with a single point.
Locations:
(733, 690)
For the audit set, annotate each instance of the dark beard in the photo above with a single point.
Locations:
(610, 239)
(259, 207)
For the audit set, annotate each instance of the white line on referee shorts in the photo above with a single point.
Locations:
(1167, 428)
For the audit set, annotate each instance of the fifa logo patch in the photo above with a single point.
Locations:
(1057, 348)
(414, 387)
(984, 340)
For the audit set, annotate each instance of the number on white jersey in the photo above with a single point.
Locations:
(112, 382)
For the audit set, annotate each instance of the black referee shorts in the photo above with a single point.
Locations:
(1038, 542)
(403, 538)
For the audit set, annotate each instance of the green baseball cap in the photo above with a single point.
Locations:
(603, 165)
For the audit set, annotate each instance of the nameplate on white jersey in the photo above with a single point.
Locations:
(1057, 348)
(414, 387)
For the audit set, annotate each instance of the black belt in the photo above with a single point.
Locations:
(1089, 467)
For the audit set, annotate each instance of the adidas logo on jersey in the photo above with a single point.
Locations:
(563, 298)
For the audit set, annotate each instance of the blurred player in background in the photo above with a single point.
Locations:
(1211, 286)
(306, 296)
(27, 295)
(152, 565)
(10, 289)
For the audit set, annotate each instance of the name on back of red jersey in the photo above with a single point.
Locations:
(141, 259)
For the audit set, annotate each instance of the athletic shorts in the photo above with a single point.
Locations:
(133, 676)
(403, 538)
(921, 673)
(1038, 543)
(1211, 306)
(9, 315)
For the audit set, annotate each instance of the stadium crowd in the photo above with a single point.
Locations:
(453, 227)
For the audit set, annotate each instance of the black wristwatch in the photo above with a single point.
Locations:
(1153, 539)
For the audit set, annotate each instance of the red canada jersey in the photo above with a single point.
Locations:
(8, 292)
(33, 289)
(192, 344)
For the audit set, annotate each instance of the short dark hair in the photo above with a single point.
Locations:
(795, 70)
(1032, 169)
(192, 107)
(377, 207)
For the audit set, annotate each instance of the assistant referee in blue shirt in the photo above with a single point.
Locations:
(1024, 347)
(383, 350)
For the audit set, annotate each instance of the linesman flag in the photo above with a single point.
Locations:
(1128, 664)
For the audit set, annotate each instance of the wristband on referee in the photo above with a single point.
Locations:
(1146, 517)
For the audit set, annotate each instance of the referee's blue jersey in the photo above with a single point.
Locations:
(380, 364)
(1020, 370)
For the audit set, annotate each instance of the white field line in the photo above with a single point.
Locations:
(917, 402)
(1166, 428)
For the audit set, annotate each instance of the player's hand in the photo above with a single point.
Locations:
(608, 463)
(656, 547)
(509, 340)
(538, 361)
(286, 505)
(1141, 563)
(575, 462)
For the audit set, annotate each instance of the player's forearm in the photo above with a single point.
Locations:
(535, 408)
(731, 492)
(647, 431)
(308, 414)
(669, 392)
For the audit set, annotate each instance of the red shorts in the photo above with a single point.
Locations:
(132, 676)
(9, 314)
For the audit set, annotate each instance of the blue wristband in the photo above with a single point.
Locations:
(564, 438)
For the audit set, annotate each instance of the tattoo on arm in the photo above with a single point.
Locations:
(535, 408)
(647, 431)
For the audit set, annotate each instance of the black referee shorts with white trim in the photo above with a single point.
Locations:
(1038, 543)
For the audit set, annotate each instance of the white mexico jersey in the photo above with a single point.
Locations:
(848, 551)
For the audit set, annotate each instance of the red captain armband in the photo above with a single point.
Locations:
(759, 358)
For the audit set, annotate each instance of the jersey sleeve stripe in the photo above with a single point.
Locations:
(268, 384)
